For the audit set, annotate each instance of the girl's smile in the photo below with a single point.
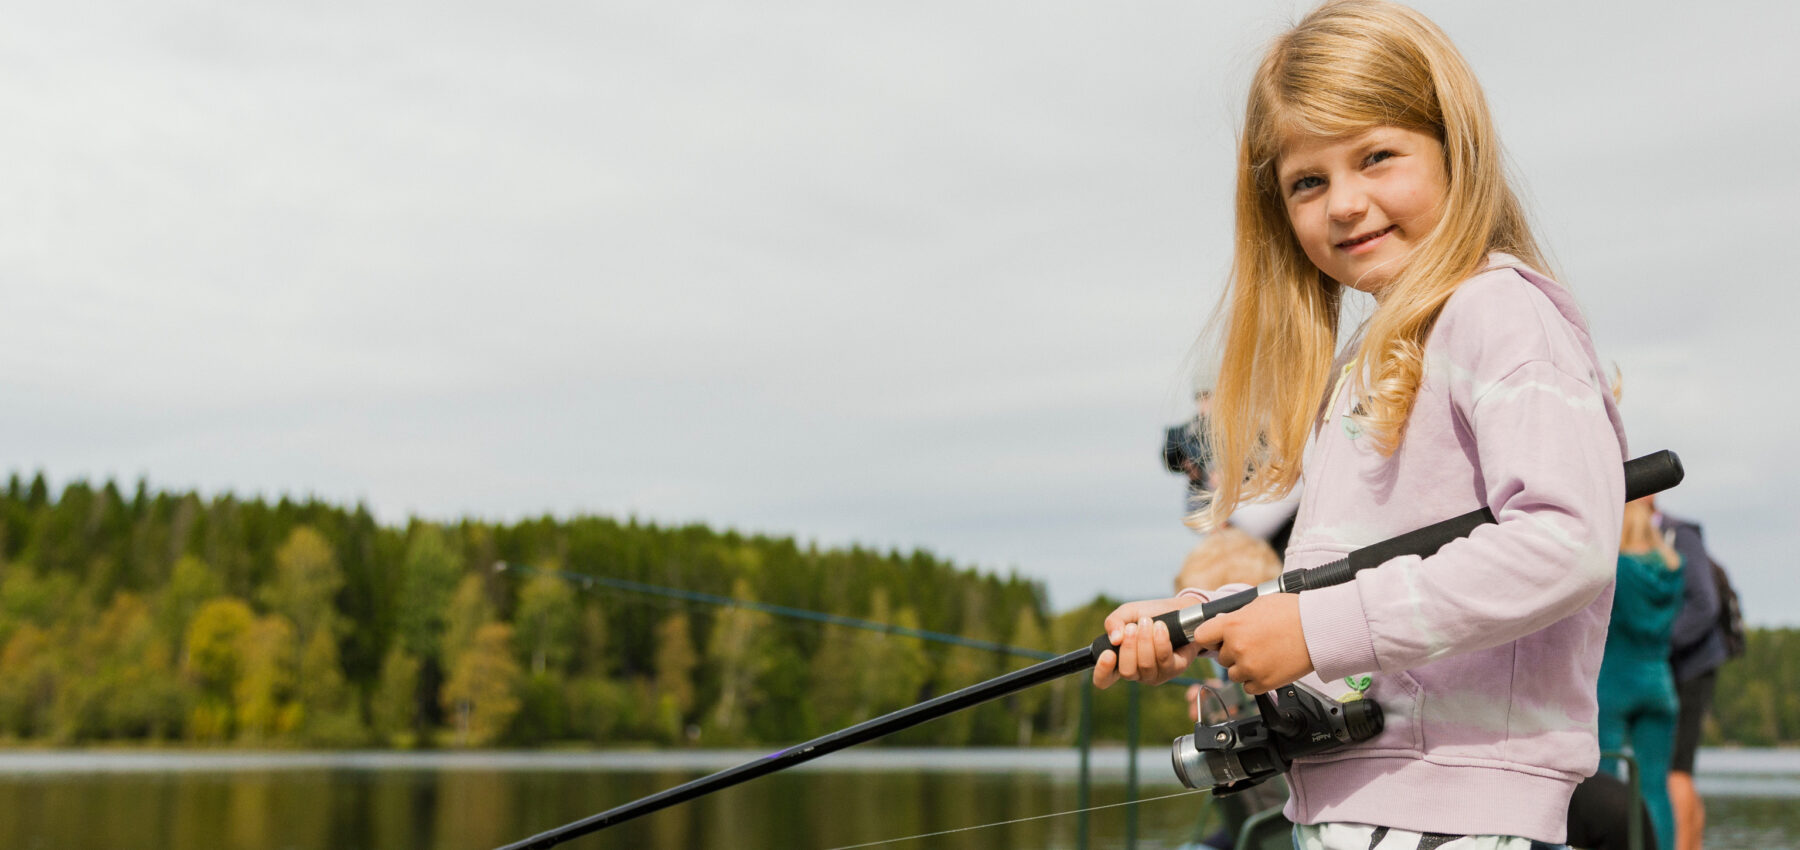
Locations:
(1360, 204)
(1366, 242)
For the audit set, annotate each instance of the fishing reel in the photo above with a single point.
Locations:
(1234, 755)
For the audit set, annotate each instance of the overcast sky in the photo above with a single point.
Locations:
(909, 274)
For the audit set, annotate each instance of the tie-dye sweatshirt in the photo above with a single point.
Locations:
(1484, 656)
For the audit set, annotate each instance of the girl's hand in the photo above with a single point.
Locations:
(1259, 645)
(1145, 652)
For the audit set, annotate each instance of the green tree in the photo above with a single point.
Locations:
(28, 682)
(263, 697)
(428, 580)
(331, 717)
(543, 710)
(594, 655)
(394, 710)
(675, 663)
(108, 652)
(469, 611)
(213, 662)
(26, 597)
(150, 701)
(897, 667)
(190, 584)
(601, 710)
(736, 651)
(836, 692)
(1027, 705)
(482, 694)
(306, 582)
(964, 666)
(545, 620)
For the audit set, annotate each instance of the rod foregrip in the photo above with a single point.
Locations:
(1225, 604)
(1178, 637)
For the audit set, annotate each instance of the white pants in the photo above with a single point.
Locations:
(1361, 836)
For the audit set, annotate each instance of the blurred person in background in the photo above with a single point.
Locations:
(1187, 451)
(1637, 685)
(1698, 648)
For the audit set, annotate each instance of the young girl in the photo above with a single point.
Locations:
(1368, 161)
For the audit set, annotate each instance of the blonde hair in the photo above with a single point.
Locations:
(1348, 67)
(1638, 534)
(1228, 556)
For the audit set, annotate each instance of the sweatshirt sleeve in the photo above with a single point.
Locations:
(1527, 396)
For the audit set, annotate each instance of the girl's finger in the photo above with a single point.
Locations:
(1238, 674)
(1120, 616)
(1115, 622)
(1167, 664)
(1149, 663)
(1106, 669)
(1128, 653)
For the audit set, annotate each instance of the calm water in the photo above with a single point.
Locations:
(457, 801)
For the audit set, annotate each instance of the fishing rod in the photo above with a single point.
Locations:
(1649, 474)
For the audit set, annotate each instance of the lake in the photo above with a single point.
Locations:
(55, 800)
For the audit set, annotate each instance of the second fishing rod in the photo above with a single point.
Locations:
(1644, 476)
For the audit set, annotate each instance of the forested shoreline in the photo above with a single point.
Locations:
(174, 619)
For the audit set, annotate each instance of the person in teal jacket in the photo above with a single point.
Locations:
(1637, 686)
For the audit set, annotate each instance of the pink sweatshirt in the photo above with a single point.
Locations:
(1485, 655)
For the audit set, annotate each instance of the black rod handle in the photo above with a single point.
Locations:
(1652, 473)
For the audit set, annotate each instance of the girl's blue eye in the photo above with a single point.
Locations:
(1306, 183)
(1378, 156)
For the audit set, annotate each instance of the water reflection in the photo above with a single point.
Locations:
(352, 802)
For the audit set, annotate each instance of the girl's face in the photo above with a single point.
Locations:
(1359, 204)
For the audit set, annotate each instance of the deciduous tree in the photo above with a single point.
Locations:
(482, 694)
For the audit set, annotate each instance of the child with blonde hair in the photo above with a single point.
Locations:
(1228, 556)
(1368, 161)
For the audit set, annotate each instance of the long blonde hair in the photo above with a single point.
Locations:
(1348, 67)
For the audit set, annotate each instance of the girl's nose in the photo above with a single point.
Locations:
(1346, 202)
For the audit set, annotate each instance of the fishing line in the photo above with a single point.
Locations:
(1017, 820)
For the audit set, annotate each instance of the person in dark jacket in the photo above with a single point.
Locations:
(1697, 650)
